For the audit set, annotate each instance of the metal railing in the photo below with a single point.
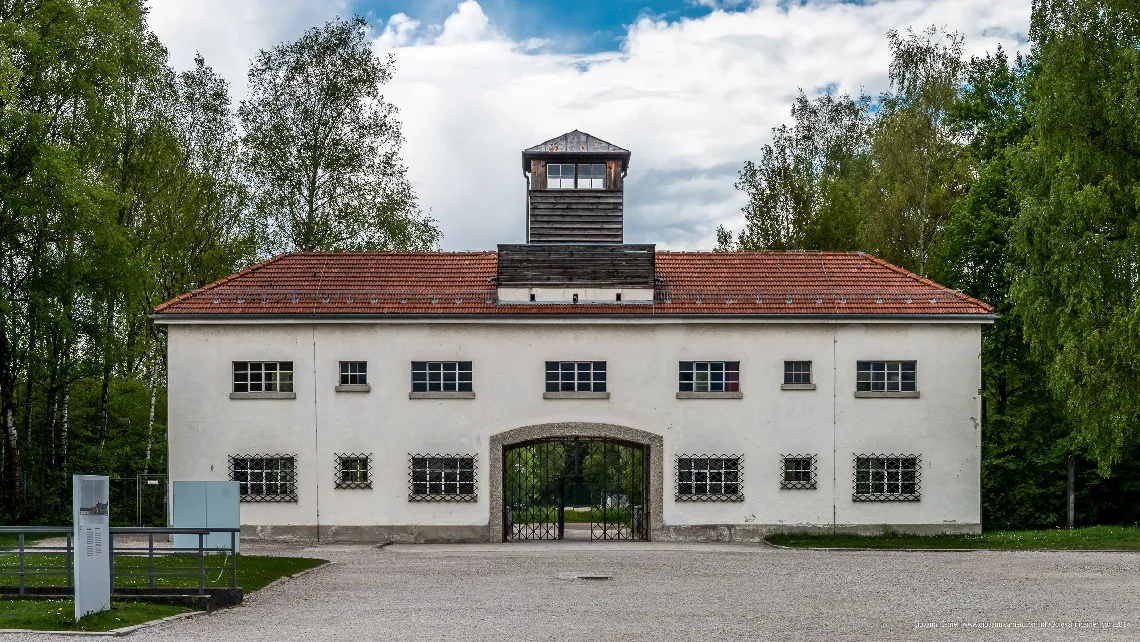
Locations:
(42, 555)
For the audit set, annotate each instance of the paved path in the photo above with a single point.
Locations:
(675, 592)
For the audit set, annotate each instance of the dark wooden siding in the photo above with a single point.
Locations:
(538, 174)
(575, 216)
(626, 266)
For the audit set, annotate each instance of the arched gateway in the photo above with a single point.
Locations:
(617, 469)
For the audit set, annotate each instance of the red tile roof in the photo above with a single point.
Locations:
(689, 283)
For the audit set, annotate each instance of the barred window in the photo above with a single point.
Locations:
(797, 372)
(575, 376)
(353, 373)
(886, 478)
(709, 478)
(442, 478)
(441, 376)
(265, 478)
(797, 471)
(885, 376)
(709, 376)
(263, 376)
(353, 471)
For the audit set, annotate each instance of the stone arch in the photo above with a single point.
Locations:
(656, 444)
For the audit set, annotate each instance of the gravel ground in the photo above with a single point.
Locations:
(680, 591)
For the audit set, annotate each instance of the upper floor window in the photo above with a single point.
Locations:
(353, 373)
(575, 376)
(885, 376)
(797, 372)
(441, 376)
(592, 176)
(263, 376)
(560, 176)
(709, 376)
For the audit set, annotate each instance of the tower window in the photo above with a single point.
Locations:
(560, 176)
(592, 176)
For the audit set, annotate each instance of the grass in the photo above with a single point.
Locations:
(254, 571)
(59, 615)
(1087, 538)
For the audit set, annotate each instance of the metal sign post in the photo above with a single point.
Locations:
(91, 517)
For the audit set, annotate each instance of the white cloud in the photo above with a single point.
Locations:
(693, 99)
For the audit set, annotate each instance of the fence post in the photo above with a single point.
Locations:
(21, 538)
(67, 562)
(150, 555)
(201, 565)
(111, 557)
(1072, 503)
(233, 558)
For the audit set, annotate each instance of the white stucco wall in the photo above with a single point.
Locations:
(942, 426)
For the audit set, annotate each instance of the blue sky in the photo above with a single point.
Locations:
(581, 26)
(692, 89)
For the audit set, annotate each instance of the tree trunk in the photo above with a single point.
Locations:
(15, 466)
(150, 417)
(104, 396)
(63, 421)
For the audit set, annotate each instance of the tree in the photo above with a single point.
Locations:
(919, 170)
(1077, 236)
(802, 191)
(322, 146)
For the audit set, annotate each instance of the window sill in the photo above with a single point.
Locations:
(263, 395)
(354, 387)
(441, 395)
(576, 395)
(797, 386)
(710, 395)
(882, 394)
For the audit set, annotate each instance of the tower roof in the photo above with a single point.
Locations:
(575, 145)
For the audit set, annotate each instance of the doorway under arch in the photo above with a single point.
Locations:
(603, 480)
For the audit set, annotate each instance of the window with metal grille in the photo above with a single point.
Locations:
(575, 376)
(265, 478)
(885, 376)
(592, 176)
(886, 478)
(263, 376)
(797, 471)
(709, 478)
(353, 373)
(797, 372)
(442, 478)
(709, 376)
(560, 176)
(441, 376)
(353, 471)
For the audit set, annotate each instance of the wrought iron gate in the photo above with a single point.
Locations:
(553, 488)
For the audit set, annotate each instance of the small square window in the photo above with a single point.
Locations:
(353, 373)
(560, 176)
(353, 471)
(797, 372)
(797, 471)
(592, 176)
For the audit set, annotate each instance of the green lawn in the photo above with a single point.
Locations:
(254, 571)
(1087, 538)
(59, 615)
(549, 515)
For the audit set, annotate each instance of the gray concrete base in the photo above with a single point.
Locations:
(757, 532)
(396, 533)
(466, 534)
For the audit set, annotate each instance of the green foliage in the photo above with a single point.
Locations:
(1076, 238)
(1079, 539)
(323, 146)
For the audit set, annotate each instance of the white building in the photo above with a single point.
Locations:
(574, 386)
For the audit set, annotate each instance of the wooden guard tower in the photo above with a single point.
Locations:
(574, 190)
